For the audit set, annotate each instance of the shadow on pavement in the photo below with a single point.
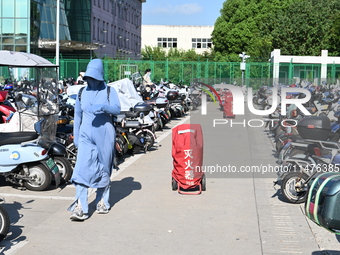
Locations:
(326, 252)
(13, 237)
(120, 190)
(123, 188)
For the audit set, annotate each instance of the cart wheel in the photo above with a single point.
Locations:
(174, 184)
(203, 183)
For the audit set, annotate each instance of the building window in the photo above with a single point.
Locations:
(97, 29)
(201, 43)
(94, 29)
(167, 42)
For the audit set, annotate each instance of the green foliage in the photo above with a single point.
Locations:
(153, 53)
(174, 54)
(311, 30)
(297, 27)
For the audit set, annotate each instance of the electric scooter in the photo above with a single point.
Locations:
(35, 96)
(24, 162)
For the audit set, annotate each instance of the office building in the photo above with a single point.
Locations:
(180, 37)
(87, 28)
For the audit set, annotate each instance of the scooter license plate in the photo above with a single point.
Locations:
(54, 169)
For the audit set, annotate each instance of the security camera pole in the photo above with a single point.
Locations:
(243, 64)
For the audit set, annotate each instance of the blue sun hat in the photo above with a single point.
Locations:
(95, 70)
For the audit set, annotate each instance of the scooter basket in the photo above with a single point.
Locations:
(314, 127)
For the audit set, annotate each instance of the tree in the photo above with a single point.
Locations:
(174, 54)
(153, 53)
(313, 27)
(297, 27)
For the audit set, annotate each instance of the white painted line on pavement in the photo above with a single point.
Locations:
(34, 196)
(169, 131)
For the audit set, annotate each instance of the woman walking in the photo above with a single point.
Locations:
(94, 136)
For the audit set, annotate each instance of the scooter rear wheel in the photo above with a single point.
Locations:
(121, 146)
(72, 154)
(40, 177)
(65, 168)
(290, 191)
(148, 136)
(4, 223)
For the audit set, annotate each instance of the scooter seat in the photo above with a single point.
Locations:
(17, 137)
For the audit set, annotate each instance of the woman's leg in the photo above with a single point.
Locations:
(103, 196)
(80, 207)
(81, 194)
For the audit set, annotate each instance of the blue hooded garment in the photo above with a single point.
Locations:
(94, 133)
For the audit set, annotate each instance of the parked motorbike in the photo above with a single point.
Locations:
(136, 121)
(296, 145)
(128, 140)
(24, 162)
(320, 155)
(35, 97)
(301, 170)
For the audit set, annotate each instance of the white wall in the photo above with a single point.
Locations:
(184, 35)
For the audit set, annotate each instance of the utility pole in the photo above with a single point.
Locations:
(57, 36)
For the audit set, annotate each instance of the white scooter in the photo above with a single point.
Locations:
(24, 162)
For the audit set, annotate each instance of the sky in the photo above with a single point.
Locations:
(181, 12)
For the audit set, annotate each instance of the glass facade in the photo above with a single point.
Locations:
(14, 25)
(79, 19)
(47, 13)
(24, 22)
(86, 27)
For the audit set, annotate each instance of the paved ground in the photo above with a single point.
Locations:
(240, 213)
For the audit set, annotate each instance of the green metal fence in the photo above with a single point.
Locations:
(254, 75)
(175, 71)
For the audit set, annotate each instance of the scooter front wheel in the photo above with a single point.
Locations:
(4, 223)
(39, 177)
